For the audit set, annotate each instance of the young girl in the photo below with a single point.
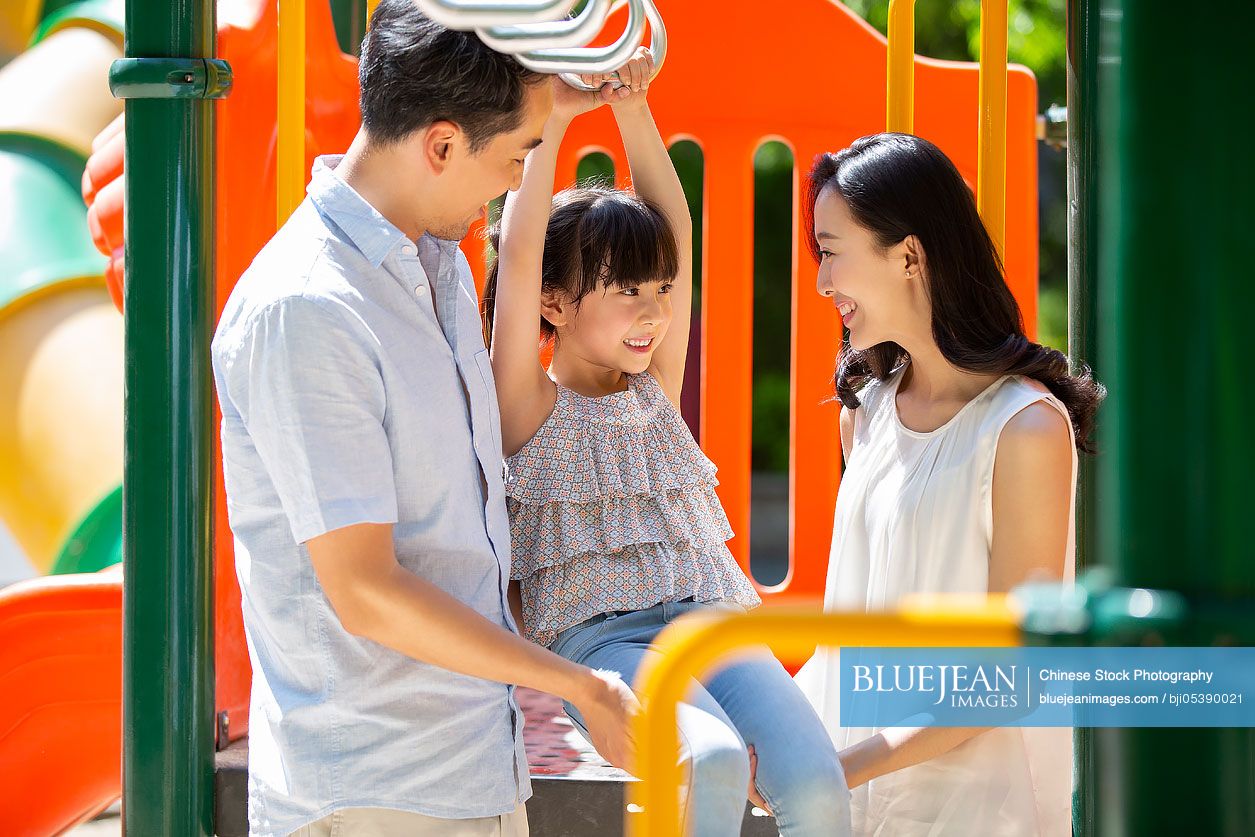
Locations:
(616, 526)
(960, 439)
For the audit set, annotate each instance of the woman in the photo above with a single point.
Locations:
(960, 439)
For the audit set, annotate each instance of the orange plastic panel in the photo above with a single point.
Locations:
(60, 701)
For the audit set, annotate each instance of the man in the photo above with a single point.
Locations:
(362, 452)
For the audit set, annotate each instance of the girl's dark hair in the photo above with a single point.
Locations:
(597, 237)
(898, 185)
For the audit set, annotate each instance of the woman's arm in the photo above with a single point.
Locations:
(1032, 498)
(654, 178)
(1032, 493)
(898, 747)
(524, 391)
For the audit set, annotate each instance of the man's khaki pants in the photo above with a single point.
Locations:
(385, 822)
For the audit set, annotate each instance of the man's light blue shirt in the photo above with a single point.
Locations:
(345, 400)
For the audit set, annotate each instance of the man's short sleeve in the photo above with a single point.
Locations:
(311, 396)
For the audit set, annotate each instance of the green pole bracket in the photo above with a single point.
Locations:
(170, 78)
(1094, 612)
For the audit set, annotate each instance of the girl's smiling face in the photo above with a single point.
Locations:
(615, 328)
(876, 290)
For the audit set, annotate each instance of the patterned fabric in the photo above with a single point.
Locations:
(613, 507)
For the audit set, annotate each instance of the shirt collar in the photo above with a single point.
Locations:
(370, 232)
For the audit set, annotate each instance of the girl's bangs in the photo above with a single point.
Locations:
(627, 242)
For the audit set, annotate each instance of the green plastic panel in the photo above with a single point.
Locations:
(43, 222)
(108, 15)
(96, 542)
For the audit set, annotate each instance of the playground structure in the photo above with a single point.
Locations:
(60, 344)
(184, 662)
(61, 347)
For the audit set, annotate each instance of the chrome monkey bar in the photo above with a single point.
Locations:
(544, 37)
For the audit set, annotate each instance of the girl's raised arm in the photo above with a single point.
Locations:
(654, 178)
(524, 391)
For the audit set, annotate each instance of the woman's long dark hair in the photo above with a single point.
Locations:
(597, 236)
(898, 185)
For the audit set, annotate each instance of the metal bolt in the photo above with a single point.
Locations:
(224, 729)
(188, 78)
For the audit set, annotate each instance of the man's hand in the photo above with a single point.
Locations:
(609, 709)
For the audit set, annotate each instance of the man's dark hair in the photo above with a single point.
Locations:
(414, 72)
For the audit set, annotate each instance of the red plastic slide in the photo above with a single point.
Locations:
(60, 701)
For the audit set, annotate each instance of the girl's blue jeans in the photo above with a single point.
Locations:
(752, 701)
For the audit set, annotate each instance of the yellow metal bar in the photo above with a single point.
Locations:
(692, 645)
(370, 10)
(900, 108)
(290, 151)
(991, 165)
(991, 161)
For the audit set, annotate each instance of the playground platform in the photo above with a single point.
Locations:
(575, 792)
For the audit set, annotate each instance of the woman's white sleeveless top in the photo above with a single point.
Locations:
(915, 515)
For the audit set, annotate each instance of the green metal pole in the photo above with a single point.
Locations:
(1175, 298)
(168, 686)
(1082, 164)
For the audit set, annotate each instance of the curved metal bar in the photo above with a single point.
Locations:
(574, 32)
(591, 59)
(469, 14)
(657, 46)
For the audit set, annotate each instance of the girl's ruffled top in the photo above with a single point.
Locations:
(613, 507)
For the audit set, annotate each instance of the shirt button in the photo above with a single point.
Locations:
(420, 289)
(407, 250)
